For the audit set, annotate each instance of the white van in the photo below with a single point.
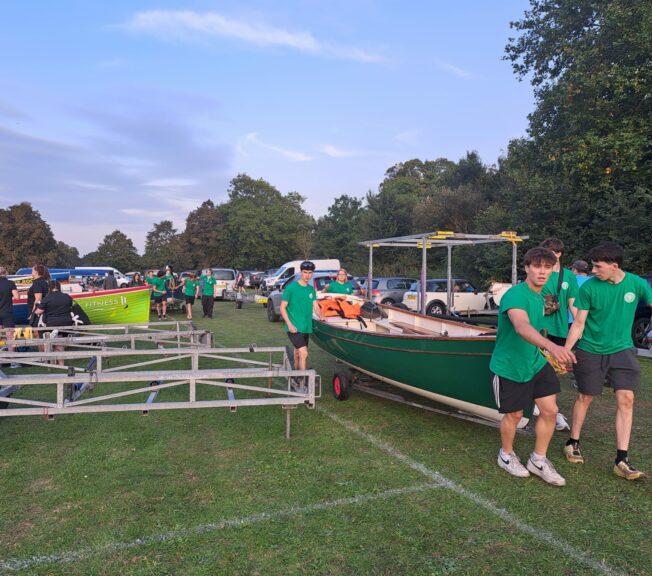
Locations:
(101, 271)
(291, 268)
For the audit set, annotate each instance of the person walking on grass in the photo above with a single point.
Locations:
(207, 281)
(190, 292)
(521, 373)
(298, 304)
(158, 291)
(8, 292)
(603, 332)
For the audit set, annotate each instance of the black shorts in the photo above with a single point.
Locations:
(516, 396)
(7, 321)
(299, 339)
(189, 299)
(159, 299)
(621, 370)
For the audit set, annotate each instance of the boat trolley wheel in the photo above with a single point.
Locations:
(341, 386)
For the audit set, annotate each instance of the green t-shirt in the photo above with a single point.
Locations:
(159, 285)
(336, 287)
(611, 307)
(190, 287)
(300, 300)
(149, 280)
(208, 283)
(513, 357)
(557, 323)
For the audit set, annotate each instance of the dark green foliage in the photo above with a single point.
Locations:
(25, 238)
(162, 246)
(203, 239)
(116, 250)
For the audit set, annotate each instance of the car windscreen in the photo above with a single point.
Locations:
(224, 274)
(374, 284)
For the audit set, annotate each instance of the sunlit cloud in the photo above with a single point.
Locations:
(92, 185)
(294, 155)
(191, 26)
(334, 152)
(171, 183)
(451, 69)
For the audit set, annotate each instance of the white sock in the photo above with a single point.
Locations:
(505, 454)
(536, 457)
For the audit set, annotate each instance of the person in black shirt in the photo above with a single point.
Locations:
(39, 287)
(56, 308)
(8, 292)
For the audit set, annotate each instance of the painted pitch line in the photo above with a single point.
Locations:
(16, 565)
(437, 478)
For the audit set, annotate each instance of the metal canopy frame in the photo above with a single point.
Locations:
(441, 239)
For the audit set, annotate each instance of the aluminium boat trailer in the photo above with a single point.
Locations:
(143, 375)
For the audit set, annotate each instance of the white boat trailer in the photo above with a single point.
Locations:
(251, 376)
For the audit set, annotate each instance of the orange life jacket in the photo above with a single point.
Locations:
(350, 309)
(329, 307)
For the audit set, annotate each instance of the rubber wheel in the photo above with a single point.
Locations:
(640, 328)
(341, 386)
(387, 301)
(272, 316)
(238, 304)
(435, 308)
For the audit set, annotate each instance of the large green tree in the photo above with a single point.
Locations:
(588, 164)
(263, 226)
(203, 241)
(25, 238)
(162, 246)
(117, 250)
(338, 232)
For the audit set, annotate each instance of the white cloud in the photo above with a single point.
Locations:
(334, 152)
(454, 70)
(171, 183)
(408, 136)
(186, 25)
(293, 155)
(92, 185)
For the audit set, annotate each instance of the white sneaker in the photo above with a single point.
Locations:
(561, 423)
(513, 465)
(546, 471)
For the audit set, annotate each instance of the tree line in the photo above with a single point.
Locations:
(582, 174)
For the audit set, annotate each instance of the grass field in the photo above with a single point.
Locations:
(365, 486)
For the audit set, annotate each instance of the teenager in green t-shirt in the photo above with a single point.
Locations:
(556, 324)
(158, 291)
(207, 281)
(522, 375)
(298, 304)
(605, 311)
(340, 286)
(190, 292)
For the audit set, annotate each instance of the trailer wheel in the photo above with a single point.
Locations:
(341, 386)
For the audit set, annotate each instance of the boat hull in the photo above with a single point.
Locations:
(451, 370)
(122, 306)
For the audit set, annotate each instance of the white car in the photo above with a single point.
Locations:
(465, 297)
(225, 281)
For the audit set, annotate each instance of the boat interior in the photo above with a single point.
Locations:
(401, 323)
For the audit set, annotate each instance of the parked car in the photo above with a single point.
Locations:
(389, 290)
(319, 281)
(641, 325)
(253, 278)
(465, 297)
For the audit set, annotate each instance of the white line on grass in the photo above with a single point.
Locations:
(436, 477)
(86, 552)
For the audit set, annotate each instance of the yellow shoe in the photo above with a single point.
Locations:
(573, 453)
(625, 470)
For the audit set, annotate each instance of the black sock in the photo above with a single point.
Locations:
(572, 441)
(621, 455)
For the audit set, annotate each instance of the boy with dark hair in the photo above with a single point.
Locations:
(602, 330)
(522, 375)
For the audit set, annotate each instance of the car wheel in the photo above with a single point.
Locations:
(435, 308)
(640, 328)
(272, 316)
(387, 301)
(341, 386)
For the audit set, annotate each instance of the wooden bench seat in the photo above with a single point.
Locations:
(410, 329)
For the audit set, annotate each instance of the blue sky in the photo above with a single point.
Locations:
(117, 115)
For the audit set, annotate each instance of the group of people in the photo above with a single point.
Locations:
(596, 346)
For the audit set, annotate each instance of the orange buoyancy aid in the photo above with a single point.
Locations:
(329, 307)
(339, 307)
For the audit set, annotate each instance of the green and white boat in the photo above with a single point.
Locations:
(121, 306)
(443, 360)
